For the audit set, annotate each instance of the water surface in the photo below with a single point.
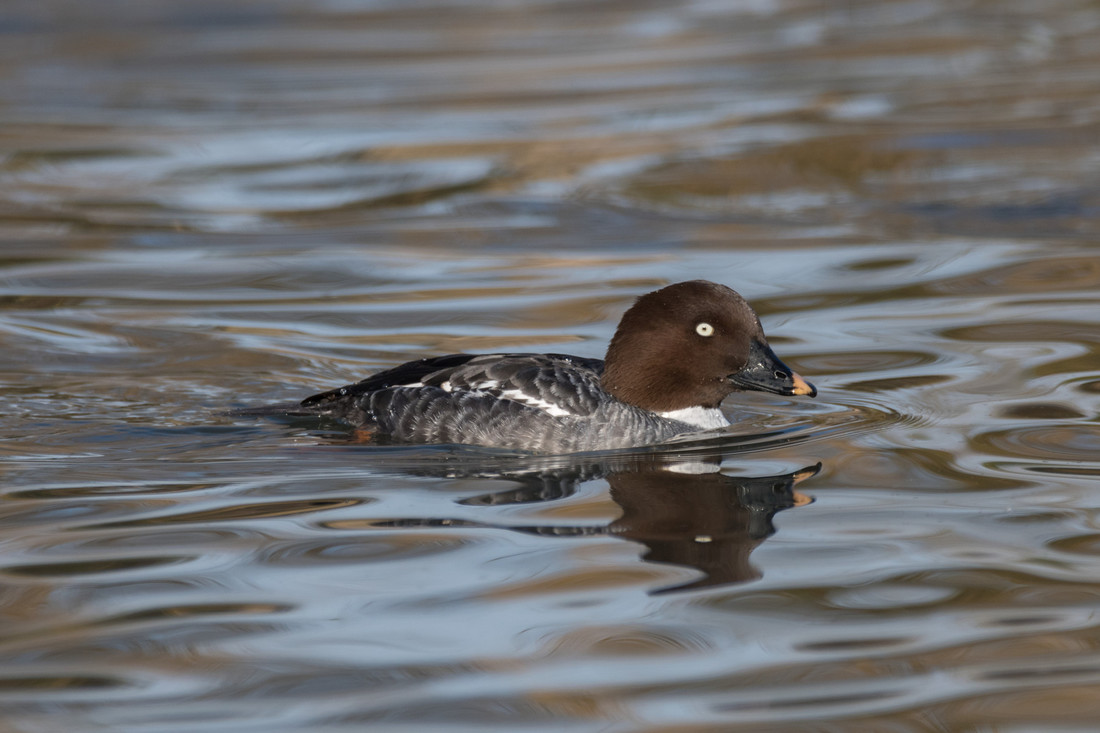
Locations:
(214, 205)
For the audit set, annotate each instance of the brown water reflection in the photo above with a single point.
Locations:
(207, 205)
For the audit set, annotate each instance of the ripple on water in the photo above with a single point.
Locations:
(627, 642)
(1075, 441)
(376, 547)
(84, 568)
(866, 361)
(208, 611)
(57, 686)
(889, 596)
(237, 512)
(1039, 411)
(1042, 275)
(1027, 333)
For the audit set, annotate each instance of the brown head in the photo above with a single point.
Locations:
(690, 345)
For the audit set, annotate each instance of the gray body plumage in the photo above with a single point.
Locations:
(550, 403)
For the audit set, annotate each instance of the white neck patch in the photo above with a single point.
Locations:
(706, 418)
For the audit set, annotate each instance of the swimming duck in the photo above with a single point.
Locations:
(676, 354)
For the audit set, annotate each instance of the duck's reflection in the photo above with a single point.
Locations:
(685, 512)
(707, 521)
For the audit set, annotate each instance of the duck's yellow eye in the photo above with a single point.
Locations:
(704, 329)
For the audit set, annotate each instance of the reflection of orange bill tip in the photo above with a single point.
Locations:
(801, 499)
(362, 435)
(800, 476)
(802, 387)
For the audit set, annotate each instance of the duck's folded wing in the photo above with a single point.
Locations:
(558, 384)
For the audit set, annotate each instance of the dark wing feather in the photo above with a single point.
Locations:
(558, 383)
(409, 373)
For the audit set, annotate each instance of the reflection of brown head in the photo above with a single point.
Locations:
(707, 521)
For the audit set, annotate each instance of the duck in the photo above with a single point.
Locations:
(676, 354)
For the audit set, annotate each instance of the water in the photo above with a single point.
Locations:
(213, 205)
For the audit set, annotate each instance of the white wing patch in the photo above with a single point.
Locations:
(693, 468)
(706, 418)
(550, 408)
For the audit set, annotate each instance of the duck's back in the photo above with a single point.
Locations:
(538, 402)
